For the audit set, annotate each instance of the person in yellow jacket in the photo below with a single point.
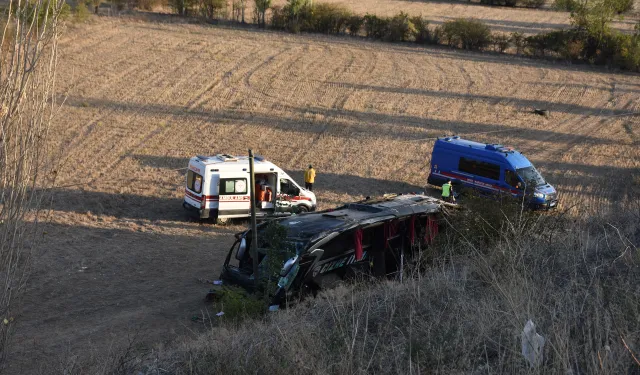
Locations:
(309, 178)
(447, 192)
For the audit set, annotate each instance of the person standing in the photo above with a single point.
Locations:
(309, 178)
(447, 191)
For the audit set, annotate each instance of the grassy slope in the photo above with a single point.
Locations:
(577, 281)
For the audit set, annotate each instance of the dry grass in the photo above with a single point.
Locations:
(144, 97)
(578, 283)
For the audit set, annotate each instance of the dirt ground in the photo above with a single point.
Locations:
(119, 256)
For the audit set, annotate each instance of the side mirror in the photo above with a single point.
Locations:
(242, 248)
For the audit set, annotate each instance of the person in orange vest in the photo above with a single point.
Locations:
(309, 178)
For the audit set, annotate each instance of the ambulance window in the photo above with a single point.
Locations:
(230, 186)
(194, 182)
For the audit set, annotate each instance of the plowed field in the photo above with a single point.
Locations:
(144, 97)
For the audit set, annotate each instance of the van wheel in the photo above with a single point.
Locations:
(302, 209)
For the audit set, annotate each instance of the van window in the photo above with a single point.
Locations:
(479, 168)
(511, 178)
(531, 176)
(194, 182)
(231, 186)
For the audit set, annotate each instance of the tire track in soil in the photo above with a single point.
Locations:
(152, 131)
(82, 136)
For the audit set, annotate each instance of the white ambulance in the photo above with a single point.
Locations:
(217, 187)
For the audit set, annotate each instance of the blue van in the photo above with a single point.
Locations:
(489, 168)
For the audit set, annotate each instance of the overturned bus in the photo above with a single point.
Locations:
(371, 237)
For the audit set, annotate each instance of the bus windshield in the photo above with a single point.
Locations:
(530, 176)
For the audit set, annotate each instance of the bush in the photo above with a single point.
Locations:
(533, 3)
(555, 41)
(466, 33)
(278, 18)
(182, 7)
(212, 9)
(627, 54)
(518, 41)
(354, 24)
(330, 18)
(422, 34)
(148, 4)
(622, 6)
(566, 5)
(81, 12)
(376, 27)
(260, 12)
(501, 42)
(400, 28)
(237, 305)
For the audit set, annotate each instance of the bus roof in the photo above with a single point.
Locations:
(315, 225)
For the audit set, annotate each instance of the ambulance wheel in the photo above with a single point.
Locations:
(302, 209)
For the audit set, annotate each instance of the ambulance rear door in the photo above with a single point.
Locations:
(233, 192)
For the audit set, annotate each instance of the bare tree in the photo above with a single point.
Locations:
(27, 102)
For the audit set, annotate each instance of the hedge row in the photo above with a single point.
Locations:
(611, 48)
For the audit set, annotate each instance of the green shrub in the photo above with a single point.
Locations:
(238, 305)
(556, 41)
(299, 15)
(622, 6)
(376, 27)
(260, 11)
(532, 3)
(278, 18)
(81, 13)
(518, 41)
(627, 55)
(466, 33)
(354, 24)
(212, 9)
(182, 7)
(572, 50)
(330, 18)
(148, 4)
(500, 42)
(422, 34)
(566, 5)
(400, 28)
